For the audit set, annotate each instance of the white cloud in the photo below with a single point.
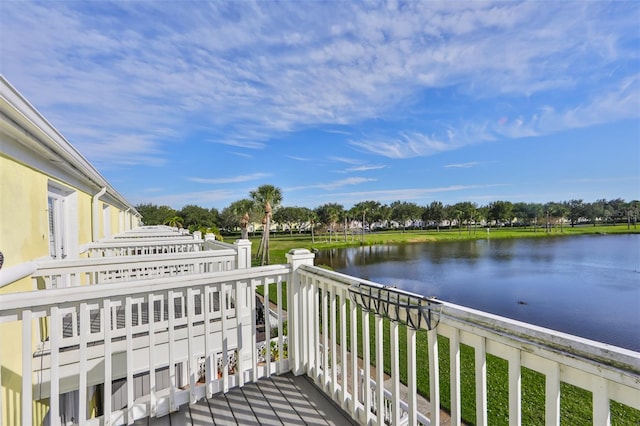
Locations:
(200, 198)
(333, 185)
(294, 157)
(402, 194)
(232, 179)
(247, 73)
(365, 168)
(461, 165)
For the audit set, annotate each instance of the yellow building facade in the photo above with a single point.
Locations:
(53, 203)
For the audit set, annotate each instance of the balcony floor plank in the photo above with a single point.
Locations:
(284, 400)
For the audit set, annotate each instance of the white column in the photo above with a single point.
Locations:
(296, 257)
(243, 254)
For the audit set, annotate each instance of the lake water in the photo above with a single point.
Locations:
(588, 286)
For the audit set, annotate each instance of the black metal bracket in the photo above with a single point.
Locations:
(396, 305)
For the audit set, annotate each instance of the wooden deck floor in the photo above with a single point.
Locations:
(279, 400)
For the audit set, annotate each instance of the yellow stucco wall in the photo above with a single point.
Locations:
(24, 236)
(23, 213)
(84, 218)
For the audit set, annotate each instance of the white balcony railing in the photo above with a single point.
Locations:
(185, 326)
(608, 372)
(135, 246)
(200, 332)
(102, 270)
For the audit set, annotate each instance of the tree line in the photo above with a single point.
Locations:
(263, 206)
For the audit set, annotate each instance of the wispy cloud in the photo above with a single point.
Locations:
(346, 160)
(603, 180)
(403, 194)
(353, 62)
(333, 185)
(293, 157)
(365, 168)
(407, 145)
(200, 198)
(242, 154)
(461, 165)
(232, 179)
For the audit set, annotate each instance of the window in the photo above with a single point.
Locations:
(63, 230)
(57, 235)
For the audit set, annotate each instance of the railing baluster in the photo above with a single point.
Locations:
(334, 353)
(128, 323)
(306, 316)
(379, 369)
(106, 330)
(343, 349)
(412, 377)
(366, 358)
(434, 376)
(54, 346)
(193, 362)
(225, 343)
(325, 335)
(454, 372)
(552, 394)
(481, 381)
(172, 366)
(395, 372)
(315, 341)
(601, 410)
(151, 313)
(82, 387)
(280, 329)
(254, 346)
(267, 326)
(355, 371)
(208, 350)
(515, 387)
(27, 360)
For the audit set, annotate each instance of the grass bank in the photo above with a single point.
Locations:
(281, 243)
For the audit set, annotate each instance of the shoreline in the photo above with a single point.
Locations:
(282, 243)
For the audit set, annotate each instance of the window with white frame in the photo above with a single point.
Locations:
(61, 205)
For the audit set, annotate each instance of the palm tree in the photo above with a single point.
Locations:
(243, 209)
(175, 222)
(267, 197)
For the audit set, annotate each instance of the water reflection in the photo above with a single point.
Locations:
(587, 285)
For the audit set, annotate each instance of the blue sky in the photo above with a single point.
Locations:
(198, 103)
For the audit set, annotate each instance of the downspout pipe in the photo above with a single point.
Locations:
(127, 220)
(95, 214)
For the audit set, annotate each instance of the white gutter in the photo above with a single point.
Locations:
(95, 214)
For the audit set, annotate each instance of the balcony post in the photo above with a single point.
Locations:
(243, 254)
(296, 257)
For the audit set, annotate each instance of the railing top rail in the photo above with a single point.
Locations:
(145, 236)
(38, 299)
(135, 238)
(47, 266)
(221, 244)
(518, 333)
(141, 243)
